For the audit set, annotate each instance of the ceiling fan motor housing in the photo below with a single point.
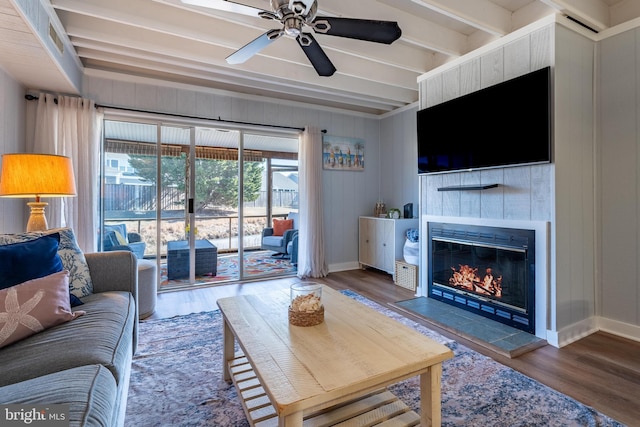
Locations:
(283, 8)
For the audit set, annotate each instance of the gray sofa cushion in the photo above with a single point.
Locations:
(102, 336)
(90, 391)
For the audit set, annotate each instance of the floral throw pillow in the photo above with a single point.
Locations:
(33, 306)
(72, 257)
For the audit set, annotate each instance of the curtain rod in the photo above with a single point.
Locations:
(29, 97)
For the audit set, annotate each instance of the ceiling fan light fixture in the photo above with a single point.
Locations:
(293, 26)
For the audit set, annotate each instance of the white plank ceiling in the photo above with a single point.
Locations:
(168, 40)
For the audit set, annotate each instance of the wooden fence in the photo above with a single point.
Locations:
(142, 198)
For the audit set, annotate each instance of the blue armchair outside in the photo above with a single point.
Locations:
(279, 244)
(113, 240)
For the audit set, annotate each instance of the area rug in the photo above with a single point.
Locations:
(259, 263)
(177, 380)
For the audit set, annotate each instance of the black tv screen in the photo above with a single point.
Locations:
(503, 125)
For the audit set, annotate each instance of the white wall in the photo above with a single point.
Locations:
(560, 193)
(347, 195)
(619, 136)
(13, 212)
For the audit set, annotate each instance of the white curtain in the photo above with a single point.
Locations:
(311, 254)
(71, 128)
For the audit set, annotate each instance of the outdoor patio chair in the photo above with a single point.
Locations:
(272, 240)
(116, 238)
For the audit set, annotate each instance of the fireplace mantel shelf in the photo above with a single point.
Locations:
(468, 187)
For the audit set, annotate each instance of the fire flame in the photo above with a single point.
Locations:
(467, 278)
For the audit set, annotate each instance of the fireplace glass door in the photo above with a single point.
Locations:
(486, 270)
(496, 273)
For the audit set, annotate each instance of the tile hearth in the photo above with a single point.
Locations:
(503, 339)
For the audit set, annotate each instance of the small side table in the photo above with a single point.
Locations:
(178, 259)
(147, 287)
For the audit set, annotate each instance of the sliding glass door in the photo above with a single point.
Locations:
(128, 177)
(200, 198)
(270, 191)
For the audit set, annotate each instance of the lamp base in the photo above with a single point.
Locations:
(37, 220)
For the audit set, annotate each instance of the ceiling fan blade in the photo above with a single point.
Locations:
(316, 55)
(253, 47)
(362, 29)
(225, 5)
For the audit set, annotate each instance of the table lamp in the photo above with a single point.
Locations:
(36, 175)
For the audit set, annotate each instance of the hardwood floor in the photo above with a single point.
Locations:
(602, 370)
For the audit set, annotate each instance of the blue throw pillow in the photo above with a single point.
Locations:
(33, 259)
(74, 301)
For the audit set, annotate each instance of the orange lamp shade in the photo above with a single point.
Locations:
(36, 175)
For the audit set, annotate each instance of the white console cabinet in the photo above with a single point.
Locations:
(381, 241)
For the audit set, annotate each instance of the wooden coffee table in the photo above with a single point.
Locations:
(326, 374)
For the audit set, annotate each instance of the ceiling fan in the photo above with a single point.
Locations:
(294, 16)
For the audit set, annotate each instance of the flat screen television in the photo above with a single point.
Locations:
(506, 124)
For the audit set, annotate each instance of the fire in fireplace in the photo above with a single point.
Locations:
(467, 278)
(486, 270)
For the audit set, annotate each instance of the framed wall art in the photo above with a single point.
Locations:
(343, 154)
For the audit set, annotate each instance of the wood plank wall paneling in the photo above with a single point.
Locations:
(347, 195)
(492, 68)
(574, 178)
(619, 64)
(13, 212)
(517, 58)
(399, 167)
(469, 76)
(534, 192)
(541, 187)
(470, 200)
(513, 59)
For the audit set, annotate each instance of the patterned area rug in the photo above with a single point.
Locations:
(177, 381)
(259, 263)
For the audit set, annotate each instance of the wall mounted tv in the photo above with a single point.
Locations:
(502, 125)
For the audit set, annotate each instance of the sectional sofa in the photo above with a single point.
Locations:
(84, 362)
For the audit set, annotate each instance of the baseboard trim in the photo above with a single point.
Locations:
(586, 327)
(344, 266)
(620, 329)
(573, 333)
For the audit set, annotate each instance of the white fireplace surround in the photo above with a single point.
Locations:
(541, 228)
